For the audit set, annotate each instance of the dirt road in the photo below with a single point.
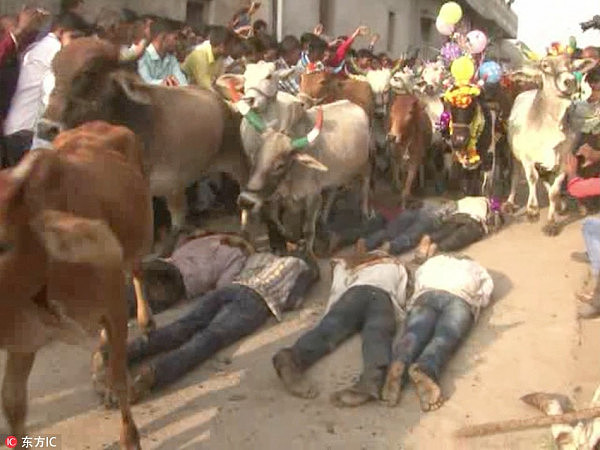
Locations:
(527, 341)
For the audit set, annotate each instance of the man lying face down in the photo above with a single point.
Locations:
(449, 293)
(367, 296)
(266, 286)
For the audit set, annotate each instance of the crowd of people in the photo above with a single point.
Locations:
(432, 302)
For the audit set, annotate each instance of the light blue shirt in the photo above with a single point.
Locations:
(154, 70)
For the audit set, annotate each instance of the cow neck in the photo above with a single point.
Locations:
(548, 101)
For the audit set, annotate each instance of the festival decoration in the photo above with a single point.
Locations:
(462, 96)
(450, 13)
(490, 72)
(462, 69)
(572, 45)
(450, 51)
(444, 28)
(477, 41)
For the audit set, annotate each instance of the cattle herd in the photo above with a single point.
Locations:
(118, 142)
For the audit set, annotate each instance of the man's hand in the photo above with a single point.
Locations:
(363, 30)
(318, 30)
(590, 155)
(571, 166)
(374, 39)
(30, 19)
(170, 81)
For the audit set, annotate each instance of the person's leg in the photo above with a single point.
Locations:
(177, 333)
(411, 236)
(590, 294)
(377, 335)
(418, 330)
(243, 314)
(465, 234)
(454, 322)
(374, 240)
(344, 319)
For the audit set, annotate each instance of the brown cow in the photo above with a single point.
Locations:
(410, 136)
(324, 87)
(72, 220)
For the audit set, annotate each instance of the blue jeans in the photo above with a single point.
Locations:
(591, 236)
(219, 319)
(404, 231)
(434, 328)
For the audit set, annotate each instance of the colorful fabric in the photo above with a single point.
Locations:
(202, 67)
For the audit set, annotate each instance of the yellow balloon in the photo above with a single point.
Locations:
(462, 69)
(451, 13)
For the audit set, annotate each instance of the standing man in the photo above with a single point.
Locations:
(159, 64)
(27, 101)
(205, 64)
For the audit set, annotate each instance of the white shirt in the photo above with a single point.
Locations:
(47, 87)
(387, 273)
(462, 277)
(27, 101)
(476, 207)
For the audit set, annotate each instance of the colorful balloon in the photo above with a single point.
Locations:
(444, 28)
(477, 41)
(450, 51)
(450, 13)
(462, 69)
(490, 72)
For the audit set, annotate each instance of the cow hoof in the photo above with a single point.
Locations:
(533, 215)
(552, 229)
(509, 208)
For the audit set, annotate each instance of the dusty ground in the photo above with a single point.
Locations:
(527, 340)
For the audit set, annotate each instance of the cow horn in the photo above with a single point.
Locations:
(312, 136)
(245, 110)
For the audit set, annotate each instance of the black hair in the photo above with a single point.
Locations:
(71, 22)
(163, 283)
(128, 15)
(317, 45)
(259, 24)
(219, 35)
(68, 5)
(288, 44)
(307, 38)
(256, 44)
(269, 42)
(593, 76)
(593, 140)
(159, 26)
(364, 53)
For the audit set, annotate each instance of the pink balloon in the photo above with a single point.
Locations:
(477, 41)
(444, 28)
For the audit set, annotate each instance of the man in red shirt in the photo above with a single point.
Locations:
(581, 188)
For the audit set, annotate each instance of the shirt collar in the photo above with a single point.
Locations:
(153, 53)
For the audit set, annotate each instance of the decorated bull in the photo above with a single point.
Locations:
(539, 136)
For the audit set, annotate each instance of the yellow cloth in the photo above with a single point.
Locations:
(201, 66)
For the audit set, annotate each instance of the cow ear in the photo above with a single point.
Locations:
(546, 66)
(310, 162)
(71, 239)
(131, 88)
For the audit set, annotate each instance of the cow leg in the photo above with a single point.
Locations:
(533, 209)
(509, 205)
(116, 329)
(365, 192)
(552, 228)
(177, 204)
(396, 167)
(330, 195)
(145, 319)
(313, 207)
(410, 178)
(14, 390)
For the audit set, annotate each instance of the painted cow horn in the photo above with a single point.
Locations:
(245, 110)
(312, 135)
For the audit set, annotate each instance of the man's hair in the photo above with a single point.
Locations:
(288, 44)
(317, 45)
(68, 5)
(259, 24)
(364, 53)
(160, 26)
(256, 44)
(269, 42)
(71, 22)
(307, 38)
(163, 283)
(219, 35)
(593, 76)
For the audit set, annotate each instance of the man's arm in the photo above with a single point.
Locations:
(580, 187)
(8, 47)
(178, 73)
(196, 70)
(340, 53)
(144, 72)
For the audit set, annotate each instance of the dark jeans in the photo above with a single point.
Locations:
(434, 328)
(219, 319)
(14, 147)
(405, 231)
(457, 232)
(361, 308)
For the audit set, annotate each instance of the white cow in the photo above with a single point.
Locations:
(538, 137)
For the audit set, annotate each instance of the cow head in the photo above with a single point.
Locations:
(559, 73)
(404, 120)
(403, 81)
(89, 86)
(431, 78)
(462, 103)
(261, 81)
(279, 152)
(316, 86)
(379, 80)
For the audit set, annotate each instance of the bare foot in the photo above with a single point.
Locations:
(429, 392)
(350, 397)
(360, 247)
(142, 384)
(422, 250)
(292, 376)
(390, 393)
(433, 249)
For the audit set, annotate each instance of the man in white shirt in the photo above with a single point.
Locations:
(449, 292)
(27, 102)
(367, 296)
